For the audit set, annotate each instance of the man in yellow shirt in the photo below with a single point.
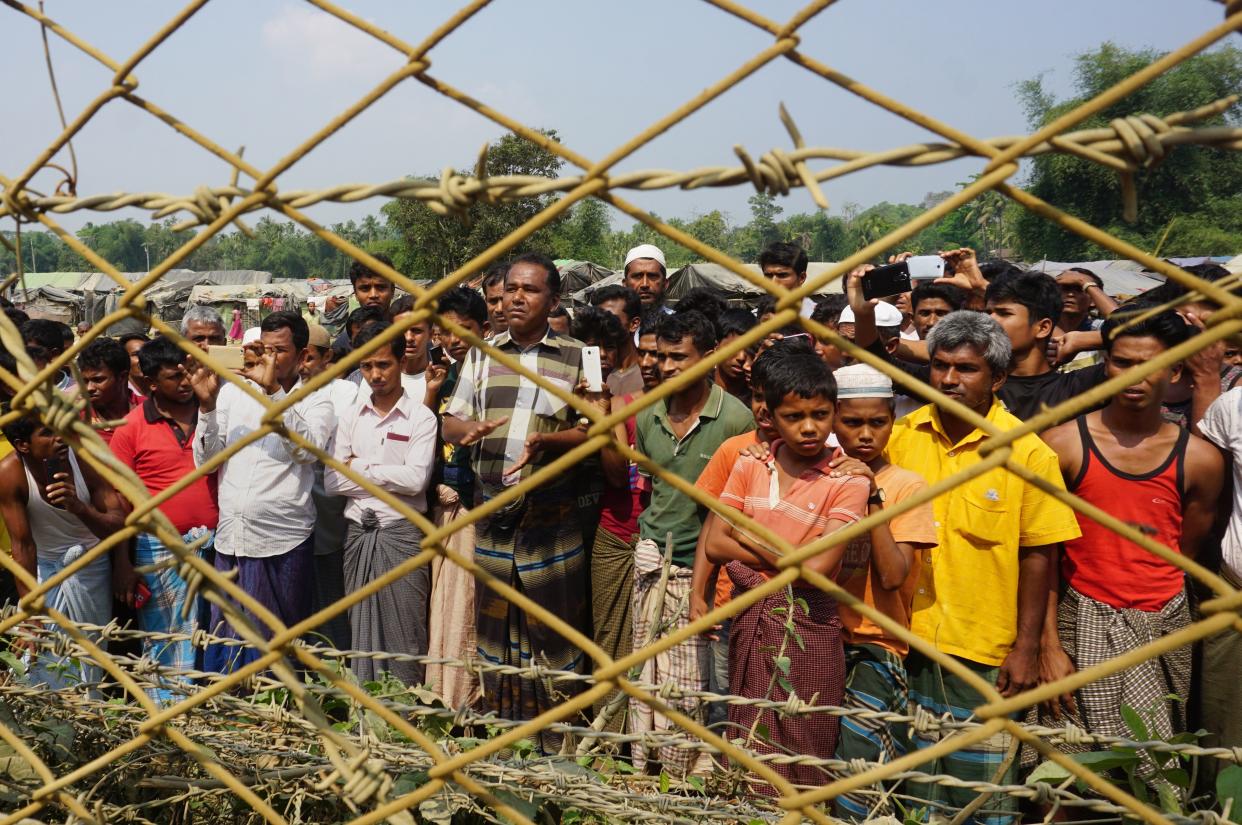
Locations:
(982, 592)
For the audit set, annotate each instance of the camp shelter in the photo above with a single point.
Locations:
(49, 302)
(578, 275)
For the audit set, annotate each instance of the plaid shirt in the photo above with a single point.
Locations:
(488, 390)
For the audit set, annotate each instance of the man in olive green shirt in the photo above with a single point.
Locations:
(680, 434)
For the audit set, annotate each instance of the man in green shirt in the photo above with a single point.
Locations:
(680, 434)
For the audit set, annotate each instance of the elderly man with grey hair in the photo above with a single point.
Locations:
(981, 594)
(203, 326)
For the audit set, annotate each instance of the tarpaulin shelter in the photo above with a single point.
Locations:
(578, 275)
(722, 282)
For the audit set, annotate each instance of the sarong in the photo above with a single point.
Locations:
(166, 612)
(685, 665)
(939, 692)
(875, 680)
(393, 620)
(816, 670)
(282, 583)
(85, 597)
(450, 630)
(535, 545)
(612, 597)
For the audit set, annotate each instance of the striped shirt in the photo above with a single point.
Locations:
(486, 390)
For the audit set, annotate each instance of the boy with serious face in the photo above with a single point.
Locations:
(799, 497)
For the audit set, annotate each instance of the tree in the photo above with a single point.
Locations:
(431, 246)
(585, 234)
(1190, 183)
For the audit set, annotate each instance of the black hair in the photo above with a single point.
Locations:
(44, 333)
(1037, 291)
(495, 274)
(1084, 271)
(595, 324)
(104, 353)
(784, 254)
(466, 303)
(22, 429)
(735, 321)
(360, 270)
(542, 261)
(765, 306)
(17, 316)
(362, 316)
(650, 323)
(132, 336)
(290, 320)
(950, 294)
(672, 328)
(615, 292)
(777, 351)
(828, 310)
(703, 301)
(991, 270)
(1167, 327)
(1171, 290)
(802, 374)
(158, 353)
(401, 306)
(559, 311)
(372, 330)
(66, 335)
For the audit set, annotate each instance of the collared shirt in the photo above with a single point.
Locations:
(395, 450)
(265, 488)
(486, 390)
(132, 401)
(966, 601)
(161, 454)
(722, 417)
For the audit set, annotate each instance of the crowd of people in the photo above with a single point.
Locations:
(997, 572)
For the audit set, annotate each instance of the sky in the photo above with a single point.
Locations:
(267, 73)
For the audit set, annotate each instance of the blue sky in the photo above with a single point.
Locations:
(267, 73)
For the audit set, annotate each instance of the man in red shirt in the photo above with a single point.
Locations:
(157, 443)
(104, 365)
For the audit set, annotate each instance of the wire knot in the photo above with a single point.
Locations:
(1071, 734)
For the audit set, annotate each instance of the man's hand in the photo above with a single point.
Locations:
(700, 608)
(481, 430)
(436, 375)
(1054, 665)
(206, 385)
(263, 372)
(1064, 348)
(532, 448)
(1019, 671)
(758, 451)
(966, 273)
(854, 290)
(1074, 279)
(601, 400)
(1205, 364)
(61, 492)
(124, 580)
(843, 466)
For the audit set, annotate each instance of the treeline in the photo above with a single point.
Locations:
(1189, 204)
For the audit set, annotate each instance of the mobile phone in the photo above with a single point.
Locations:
(142, 594)
(884, 281)
(229, 357)
(52, 466)
(592, 370)
(436, 356)
(925, 267)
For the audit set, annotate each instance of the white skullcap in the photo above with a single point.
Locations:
(886, 315)
(862, 381)
(645, 250)
(251, 335)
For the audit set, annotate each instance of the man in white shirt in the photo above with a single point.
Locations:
(389, 438)
(417, 351)
(267, 515)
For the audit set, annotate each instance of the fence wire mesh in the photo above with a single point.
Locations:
(216, 752)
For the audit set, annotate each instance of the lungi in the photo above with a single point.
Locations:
(939, 692)
(535, 545)
(612, 599)
(283, 583)
(450, 629)
(816, 669)
(393, 620)
(85, 598)
(875, 680)
(685, 665)
(166, 612)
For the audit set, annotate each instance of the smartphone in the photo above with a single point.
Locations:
(884, 281)
(228, 357)
(52, 466)
(592, 370)
(436, 356)
(142, 594)
(925, 267)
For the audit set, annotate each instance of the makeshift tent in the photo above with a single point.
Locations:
(49, 302)
(578, 275)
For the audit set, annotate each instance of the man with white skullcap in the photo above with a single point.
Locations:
(646, 274)
(880, 569)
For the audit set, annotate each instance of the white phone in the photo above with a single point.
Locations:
(925, 267)
(592, 370)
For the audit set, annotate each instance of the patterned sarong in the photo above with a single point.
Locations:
(86, 598)
(450, 631)
(684, 666)
(536, 546)
(166, 612)
(612, 599)
(816, 669)
(876, 681)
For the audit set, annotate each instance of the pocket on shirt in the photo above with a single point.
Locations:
(982, 520)
(549, 405)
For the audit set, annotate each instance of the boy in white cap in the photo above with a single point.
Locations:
(646, 274)
(879, 569)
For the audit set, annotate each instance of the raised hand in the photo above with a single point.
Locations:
(206, 385)
(263, 371)
(479, 431)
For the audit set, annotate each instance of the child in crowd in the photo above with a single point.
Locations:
(799, 498)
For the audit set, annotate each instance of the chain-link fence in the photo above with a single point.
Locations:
(217, 752)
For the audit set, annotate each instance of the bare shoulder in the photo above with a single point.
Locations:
(12, 478)
(1203, 457)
